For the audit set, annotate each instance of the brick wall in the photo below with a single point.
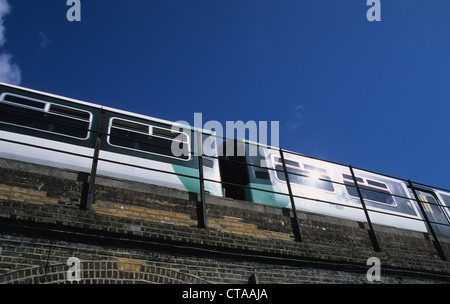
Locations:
(138, 233)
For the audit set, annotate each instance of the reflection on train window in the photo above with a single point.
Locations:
(43, 116)
(307, 175)
(432, 207)
(149, 139)
(446, 199)
(430, 204)
(371, 190)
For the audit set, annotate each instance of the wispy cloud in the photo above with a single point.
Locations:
(9, 71)
(296, 119)
(44, 42)
(4, 10)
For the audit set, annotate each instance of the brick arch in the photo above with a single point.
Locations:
(102, 272)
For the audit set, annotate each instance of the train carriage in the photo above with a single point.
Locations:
(42, 120)
(326, 188)
(61, 132)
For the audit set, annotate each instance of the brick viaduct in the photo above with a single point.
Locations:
(137, 233)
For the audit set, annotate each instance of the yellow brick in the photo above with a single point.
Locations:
(110, 210)
(129, 265)
(166, 213)
(182, 216)
(37, 193)
(232, 219)
(18, 194)
(49, 200)
(152, 211)
(5, 188)
(35, 202)
(135, 208)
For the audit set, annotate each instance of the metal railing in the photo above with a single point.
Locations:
(88, 198)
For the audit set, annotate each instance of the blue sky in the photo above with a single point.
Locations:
(372, 94)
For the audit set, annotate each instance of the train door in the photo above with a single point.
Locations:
(432, 206)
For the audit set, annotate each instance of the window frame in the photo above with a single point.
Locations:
(47, 108)
(365, 183)
(149, 133)
(321, 177)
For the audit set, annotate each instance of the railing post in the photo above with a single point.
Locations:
(295, 223)
(436, 242)
(87, 201)
(373, 237)
(202, 220)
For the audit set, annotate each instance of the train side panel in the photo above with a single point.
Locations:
(62, 132)
(315, 186)
(247, 176)
(389, 201)
(141, 149)
(327, 188)
(435, 203)
(36, 119)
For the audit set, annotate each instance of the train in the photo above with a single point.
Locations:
(328, 188)
(68, 130)
(57, 131)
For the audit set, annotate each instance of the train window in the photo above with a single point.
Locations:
(377, 184)
(148, 139)
(309, 176)
(130, 126)
(169, 134)
(208, 163)
(288, 162)
(371, 190)
(446, 199)
(349, 177)
(432, 205)
(44, 116)
(262, 174)
(21, 101)
(70, 112)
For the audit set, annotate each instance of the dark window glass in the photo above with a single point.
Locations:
(144, 142)
(24, 101)
(349, 177)
(288, 162)
(131, 126)
(70, 112)
(208, 163)
(376, 184)
(446, 199)
(44, 121)
(376, 195)
(262, 174)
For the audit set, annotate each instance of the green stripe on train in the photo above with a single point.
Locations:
(266, 197)
(192, 184)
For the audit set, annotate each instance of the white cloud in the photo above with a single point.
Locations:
(9, 71)
(4, 10)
